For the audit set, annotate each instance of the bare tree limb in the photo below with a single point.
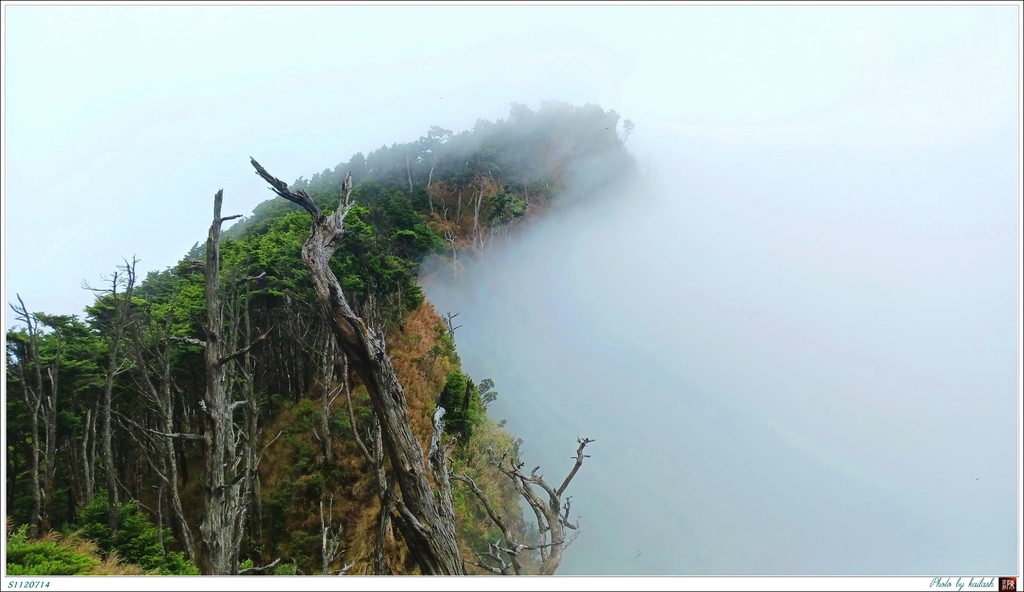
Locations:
(552, 516)
(241, 352)
(429, 537)
(270, 565)
(188, 340)
(579, 463)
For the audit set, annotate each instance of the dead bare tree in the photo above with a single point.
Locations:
(89, 455)
(28, 359)
(449, 318)
(228, 458)
(330, 539)
(478, 239)
(427, 530)
(328, 393)
(161, 400)
(450, 238)
(114, 334)
(42, 404)
(384, 484)
(50, 417)
(552, 516)
(408, 170)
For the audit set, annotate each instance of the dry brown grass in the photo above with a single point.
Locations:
(111, 566)
(356, 502)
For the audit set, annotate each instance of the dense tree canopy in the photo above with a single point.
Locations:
(139, 358)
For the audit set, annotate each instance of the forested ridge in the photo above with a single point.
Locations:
(230, 414)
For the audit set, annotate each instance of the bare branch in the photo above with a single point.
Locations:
(279, 187)
(483, 500)
(263, 568)
(188, 340)
(428, 536)
(274, 439)
(244, 350)
(493, 570)
(179, 436)
(352, 415)
(579, 462)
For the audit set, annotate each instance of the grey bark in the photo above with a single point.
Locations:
(385, 487)
(477, 237)
(50, 425)
(88, 461)
(115, 334)
(552, 516)
(33, 401)
(408, 171)
(431, 541)
(163, 402)
(227, 474)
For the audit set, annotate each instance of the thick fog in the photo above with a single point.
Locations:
(792, 361)
(795, 342)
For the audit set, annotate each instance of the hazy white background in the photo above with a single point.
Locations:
(796, 345)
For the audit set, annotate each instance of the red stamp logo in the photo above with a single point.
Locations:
(1008, 584)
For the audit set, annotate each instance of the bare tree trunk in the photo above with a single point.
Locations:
(328, 393)
(37, 494)
(430, 177)
(163, 402)
(225, 501)
(385, 487)
(108, 448)
(408, 171)
(450, 237)
(430, 539)
(330, 538)
(478, 240)
(33, 402)
(76, 497)
(160, 516)
(387, 502)
(50, 423)
(88, 466)
(115, 334)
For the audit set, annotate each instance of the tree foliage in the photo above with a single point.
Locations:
(445, 194)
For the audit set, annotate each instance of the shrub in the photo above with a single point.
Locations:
(137, 540)
(45, 557)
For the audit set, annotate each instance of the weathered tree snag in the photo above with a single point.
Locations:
(228, 474)
(385, 486)
(328, 393)
(50, 422)
(162, 401)
(88, 464)
(114, 336)
(450, 238)
(33, 394)
(552, 516)
(430, 540)
(408, 171)
(478, 239)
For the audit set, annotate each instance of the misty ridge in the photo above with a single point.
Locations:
(785, 357)
(283, 400)
(770, 348)
(616, 290)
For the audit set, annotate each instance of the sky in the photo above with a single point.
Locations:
(797, 341)
(123, 121)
